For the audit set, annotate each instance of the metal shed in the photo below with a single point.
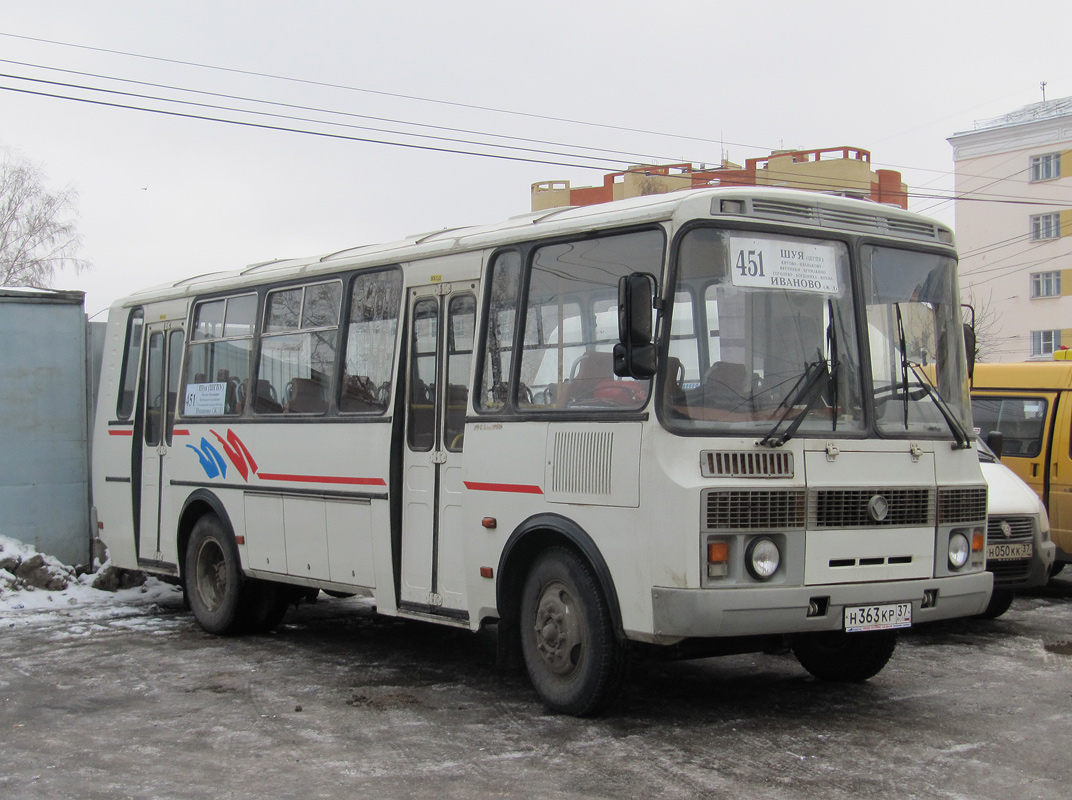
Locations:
(44, 436)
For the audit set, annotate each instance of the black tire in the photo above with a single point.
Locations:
(1000, 600)
(219, 595)
(267, 605)
(1056, 567)
(844, 657)
(572, 655)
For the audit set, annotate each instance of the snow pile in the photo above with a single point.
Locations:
(34, 581)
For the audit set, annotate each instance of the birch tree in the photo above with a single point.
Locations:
(38, 235)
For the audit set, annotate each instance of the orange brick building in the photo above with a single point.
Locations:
(841, 170)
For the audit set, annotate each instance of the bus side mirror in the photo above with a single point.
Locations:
(969, 349)
(634, 355)
(995, 440)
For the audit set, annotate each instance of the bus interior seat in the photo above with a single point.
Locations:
(457, 404)
(359, 394)
(588, 372)
(724, 385)
(305, 396)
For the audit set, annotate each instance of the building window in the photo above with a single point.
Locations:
(1043, 343)
(1046, 284)
(1045, 226)
(1046, 167)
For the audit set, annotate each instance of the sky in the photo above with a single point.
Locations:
(585, 87)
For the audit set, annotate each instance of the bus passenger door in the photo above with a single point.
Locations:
(163, 354)
(440, 351)
(1060, 484)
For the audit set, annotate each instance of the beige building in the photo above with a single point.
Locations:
(1014, 229)
(841, 170)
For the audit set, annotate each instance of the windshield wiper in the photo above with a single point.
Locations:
(807, 390)
(904, 360)
(931, 391)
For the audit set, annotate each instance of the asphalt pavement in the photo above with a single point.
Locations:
(139, 703)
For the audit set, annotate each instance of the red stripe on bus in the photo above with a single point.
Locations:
(271, 476)
(181, 432)
(516, 488)
(114, 432)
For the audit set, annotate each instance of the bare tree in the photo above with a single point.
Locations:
(989, 342)
(38, 236)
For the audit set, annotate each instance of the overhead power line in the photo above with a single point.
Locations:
(381, 93)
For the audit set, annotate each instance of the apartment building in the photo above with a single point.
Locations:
(838, 170)
(1014, 228)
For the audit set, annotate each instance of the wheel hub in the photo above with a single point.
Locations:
(559, 635)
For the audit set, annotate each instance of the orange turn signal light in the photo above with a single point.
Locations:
(978, 541)
(718, 552)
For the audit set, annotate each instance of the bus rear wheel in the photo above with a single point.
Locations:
(572, 656)
(844, 657)
(219, 595)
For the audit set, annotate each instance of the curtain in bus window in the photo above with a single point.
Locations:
(217, 357)
(505, 279)
(461, 325)
(297, 349)
(370, 342)
(571, 323)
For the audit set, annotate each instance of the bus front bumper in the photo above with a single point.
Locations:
(687, 613)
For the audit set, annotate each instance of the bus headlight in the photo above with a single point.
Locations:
(959, 550)
(762, 559)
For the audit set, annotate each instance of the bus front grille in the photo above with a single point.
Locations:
(870, 507)
(753, 510)
(961, 505)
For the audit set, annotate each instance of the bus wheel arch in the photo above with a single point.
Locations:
(560, 616)
(258, 606)
(199, 503)
(528, 540)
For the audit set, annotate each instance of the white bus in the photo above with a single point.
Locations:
(692, 424)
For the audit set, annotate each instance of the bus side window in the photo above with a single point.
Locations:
(505, 276)
(461, 322)
(131, 362)
(571, 323)
(297, 349)
(217, 356)
(369, 360)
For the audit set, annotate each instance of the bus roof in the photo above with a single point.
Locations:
(1036, 375)
(786, 206)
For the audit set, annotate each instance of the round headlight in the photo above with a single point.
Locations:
(959, 550)
(762, 559)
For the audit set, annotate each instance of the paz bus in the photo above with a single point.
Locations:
(709, 422)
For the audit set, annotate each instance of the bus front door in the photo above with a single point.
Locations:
(1060, 477)
(440, 351)
(160, 379)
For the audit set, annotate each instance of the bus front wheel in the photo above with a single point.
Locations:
(844, 657)
(572, 656)
(215, 587)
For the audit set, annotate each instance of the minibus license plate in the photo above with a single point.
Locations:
(999, 551)
(878, 618)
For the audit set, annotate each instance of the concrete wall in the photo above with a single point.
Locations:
(44, 440)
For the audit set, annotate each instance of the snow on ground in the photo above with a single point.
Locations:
(56, 587)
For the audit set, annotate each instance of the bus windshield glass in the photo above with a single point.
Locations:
(920, 386)
(762, 339)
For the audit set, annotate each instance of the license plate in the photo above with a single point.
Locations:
(1000, 551)
(878, 618)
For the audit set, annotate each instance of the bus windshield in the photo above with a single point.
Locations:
(761, 338)
(920, 385)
